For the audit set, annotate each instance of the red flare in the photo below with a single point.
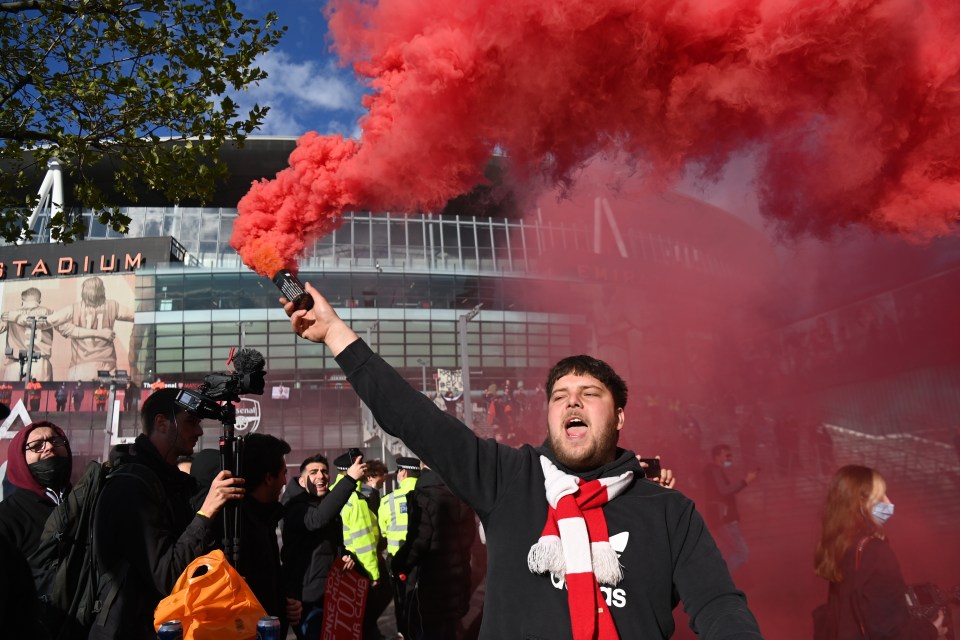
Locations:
(852, 106)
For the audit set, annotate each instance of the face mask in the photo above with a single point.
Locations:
(727, 464)
(881, 512)
(53, 473)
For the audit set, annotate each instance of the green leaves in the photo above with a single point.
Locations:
(114, 81)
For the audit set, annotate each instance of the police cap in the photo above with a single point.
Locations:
(408, 464)
(344, 462)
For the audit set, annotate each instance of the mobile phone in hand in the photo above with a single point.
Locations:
(652, 470)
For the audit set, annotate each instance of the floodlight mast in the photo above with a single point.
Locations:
(50, 195)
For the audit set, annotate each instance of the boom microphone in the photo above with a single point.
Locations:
(249, 364)
(247, 377)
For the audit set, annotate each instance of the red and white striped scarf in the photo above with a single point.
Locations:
(575, 544)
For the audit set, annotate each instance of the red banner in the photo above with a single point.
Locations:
(344, 603)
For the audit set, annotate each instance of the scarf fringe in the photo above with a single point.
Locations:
(547, 556)
(606, 564)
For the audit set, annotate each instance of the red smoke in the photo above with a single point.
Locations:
(853, 107)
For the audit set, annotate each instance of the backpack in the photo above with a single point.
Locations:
(63, 565)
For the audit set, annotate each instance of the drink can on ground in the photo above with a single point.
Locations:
(170, 630)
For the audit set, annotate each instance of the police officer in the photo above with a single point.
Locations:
(393, 507)
(361, 538)
(394, 524)
(361, 534)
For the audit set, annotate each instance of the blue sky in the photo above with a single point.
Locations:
(305, 90)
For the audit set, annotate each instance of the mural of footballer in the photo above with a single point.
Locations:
(18, 326)
(89, 325)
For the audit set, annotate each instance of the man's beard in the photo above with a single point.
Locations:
(604, 449)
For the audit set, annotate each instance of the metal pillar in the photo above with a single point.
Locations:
(465, 364)
(423, 374)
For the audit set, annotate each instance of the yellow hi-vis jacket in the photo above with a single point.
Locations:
(361, 535)
(393, 515)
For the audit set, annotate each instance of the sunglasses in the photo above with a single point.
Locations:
(37, 445)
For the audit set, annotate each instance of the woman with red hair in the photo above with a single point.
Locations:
(866, 599)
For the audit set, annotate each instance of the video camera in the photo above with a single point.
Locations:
(214, 399)
(926, 600)
(224, 387)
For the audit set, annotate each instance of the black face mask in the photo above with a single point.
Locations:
(53, 473)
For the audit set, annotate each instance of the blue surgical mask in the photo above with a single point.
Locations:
(882, 511)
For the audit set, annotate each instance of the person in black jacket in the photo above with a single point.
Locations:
(61, 396)
(867, 593)
(145, 531)
(39, 467)
(77, 395)
(635, 549)
(265, 472)
(313, 538)
(436, 560)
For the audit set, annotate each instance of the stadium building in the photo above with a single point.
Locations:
(511, 289)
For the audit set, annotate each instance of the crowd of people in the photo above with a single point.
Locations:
(70, 396)
(576, 541)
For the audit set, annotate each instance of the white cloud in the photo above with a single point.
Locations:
(281, 122)
(302, 96)
(315, 86)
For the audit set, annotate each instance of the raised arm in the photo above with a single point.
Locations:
(320, 514)
(474, 469)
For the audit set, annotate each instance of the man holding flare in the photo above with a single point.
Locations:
(579, 544)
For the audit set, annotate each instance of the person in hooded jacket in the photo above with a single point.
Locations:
(313, 538)
(265, 472)
(40, 463)
(580, 545)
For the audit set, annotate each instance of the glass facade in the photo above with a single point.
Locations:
(412, 241)
(408, 276)
(402, 282)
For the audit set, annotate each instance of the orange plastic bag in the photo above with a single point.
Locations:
(212, 602)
